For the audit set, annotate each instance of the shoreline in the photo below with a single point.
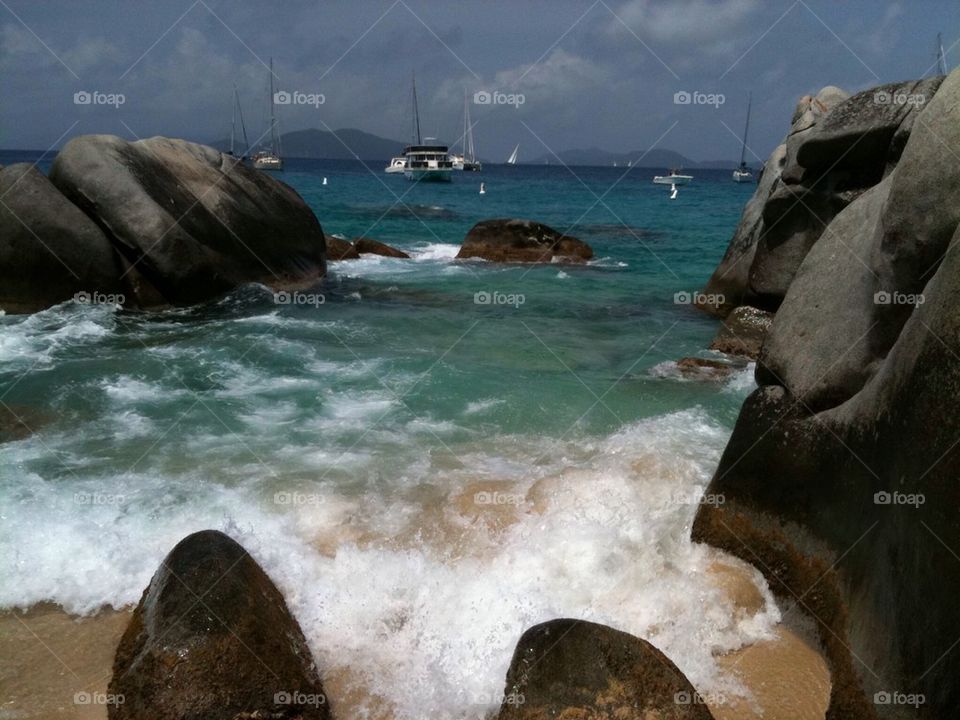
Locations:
(47, 656)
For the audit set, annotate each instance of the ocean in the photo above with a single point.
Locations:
(426, 456)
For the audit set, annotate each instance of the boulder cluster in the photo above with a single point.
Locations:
(212, 638)
(841, 477)
(149, 223)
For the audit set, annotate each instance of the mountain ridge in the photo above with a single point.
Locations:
(355, 144)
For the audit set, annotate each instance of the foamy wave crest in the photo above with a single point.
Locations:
(436, 251)
(414, 589)
(38, 338)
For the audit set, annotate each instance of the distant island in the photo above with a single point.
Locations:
(353, 144)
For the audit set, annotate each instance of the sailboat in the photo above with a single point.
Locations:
(425, 160)
(467, 160)
(270, 159)
(941, 58)
(512, 160)
(742, 174)
(238, 110)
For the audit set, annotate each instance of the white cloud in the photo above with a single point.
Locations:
(686, 22)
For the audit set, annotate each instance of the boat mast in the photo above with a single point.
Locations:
(466, 124)
(471, 153)
(243, 127)
(746, 129)
(233, 119)
(274, 135)
(941, 60)
(416, 113)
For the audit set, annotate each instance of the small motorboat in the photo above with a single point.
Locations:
(397, 165)
(674, 178)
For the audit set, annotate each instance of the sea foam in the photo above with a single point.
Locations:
(416, 587)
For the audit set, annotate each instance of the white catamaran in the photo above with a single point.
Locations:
(270, 159)
(512, 160)
(742, 174)
(425, 161)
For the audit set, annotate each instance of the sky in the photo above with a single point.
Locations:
(560, 74)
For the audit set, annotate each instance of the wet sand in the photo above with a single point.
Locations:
(53, 665)
(47, 657)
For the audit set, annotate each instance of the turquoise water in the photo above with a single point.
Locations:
(349, 443)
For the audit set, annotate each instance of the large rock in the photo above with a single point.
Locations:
(577, 669)
(819, 345)
(840, 478)
(856, 137)
(192, 222)
(49, 250)
(730, 284)
(505, 240)
(212, 638)
(853, 293)
(828, 166)
(793, 218)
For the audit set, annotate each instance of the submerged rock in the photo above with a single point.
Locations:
(743, 332)
(192, 222)
(49, 250)
(576, 669)
(368, 246)
(21, 421)
(340, 249)
(506, 240)
(212, 638)
(698, 368)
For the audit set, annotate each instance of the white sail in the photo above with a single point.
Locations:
(512, 160)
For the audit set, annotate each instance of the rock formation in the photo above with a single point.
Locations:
(841, 476)
(212, 638)
(505, 240)
(49, 250)
(578, 669)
